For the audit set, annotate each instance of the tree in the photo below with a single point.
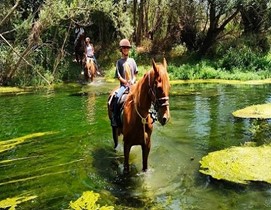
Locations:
(255, 16)
(45, 27)
(219, 14)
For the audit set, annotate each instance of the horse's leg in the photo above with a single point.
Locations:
(115, 136)
(81, 62)
(86, 73)
(145, 154)
(91, 73)
(127, 149)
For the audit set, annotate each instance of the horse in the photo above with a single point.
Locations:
(137, 122)
(90, 69)
(79, 49)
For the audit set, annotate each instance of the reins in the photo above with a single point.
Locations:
(143, 121)
(155, 102)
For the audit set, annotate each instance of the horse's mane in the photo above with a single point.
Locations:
(148, 79)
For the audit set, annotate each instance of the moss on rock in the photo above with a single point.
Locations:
(260, 111)
(239, 164)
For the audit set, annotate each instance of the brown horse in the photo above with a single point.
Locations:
(90, 69)
(79, 49)
(137, 123)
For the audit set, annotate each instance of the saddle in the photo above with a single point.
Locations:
(119, 106)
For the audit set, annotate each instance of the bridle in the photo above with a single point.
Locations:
(157, 102)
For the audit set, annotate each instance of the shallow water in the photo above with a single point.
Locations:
(71, 149)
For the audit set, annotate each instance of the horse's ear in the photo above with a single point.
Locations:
(165, 63)
(154, 67)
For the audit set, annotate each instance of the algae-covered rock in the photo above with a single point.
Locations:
(260, 111)
(239, 164)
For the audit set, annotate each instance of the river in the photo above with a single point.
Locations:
(56, 144)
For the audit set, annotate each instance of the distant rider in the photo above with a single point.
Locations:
(89, 52)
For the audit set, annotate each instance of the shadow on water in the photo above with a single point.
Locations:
(109, 165)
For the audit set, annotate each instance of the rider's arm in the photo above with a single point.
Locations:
(122, 80)
(93, 49)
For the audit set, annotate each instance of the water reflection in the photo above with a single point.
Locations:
(90, 111)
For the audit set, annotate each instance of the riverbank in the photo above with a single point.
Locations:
(23, 90)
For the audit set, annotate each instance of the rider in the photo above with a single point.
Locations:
(89, 52)
(126, 71)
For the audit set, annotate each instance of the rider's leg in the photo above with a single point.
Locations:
(115, 112)
(95, 62)
(115, 115)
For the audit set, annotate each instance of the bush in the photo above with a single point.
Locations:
(243, 58)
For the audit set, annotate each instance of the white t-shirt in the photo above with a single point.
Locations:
(90, 50)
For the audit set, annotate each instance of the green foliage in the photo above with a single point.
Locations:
(5, 59)
(190, 72)
(177, 51)
(53, 12)
(208, 70)
(107, 22)
(243, 58)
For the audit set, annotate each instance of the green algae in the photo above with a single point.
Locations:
(239, 164)
(260, 111)
(88, 202)
(12, 203)
(11, 143)
(221, 81)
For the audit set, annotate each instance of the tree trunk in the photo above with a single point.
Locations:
(134, 19)
(140, 22)
(214, 29)
(254, 16)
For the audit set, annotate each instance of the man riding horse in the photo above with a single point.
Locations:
(126, 71)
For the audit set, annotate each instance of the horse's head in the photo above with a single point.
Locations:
(161, 91)
(80, 43)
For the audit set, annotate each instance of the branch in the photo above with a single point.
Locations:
(22, 58)
(10, 12)
(229, 19)
(60, 54)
